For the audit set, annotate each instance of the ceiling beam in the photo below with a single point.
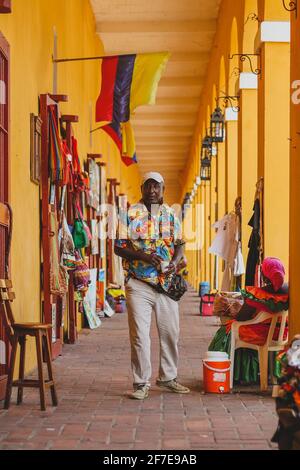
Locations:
(167, 152)
(192, 9)
(163, 117)
(139, 43)
(117, 27)
(164, 144)
(163, 132)
(174, 103)
(163, 140)
(181, 82)
(160, 164)
(138, 128)
(162, 155)
(193, 57)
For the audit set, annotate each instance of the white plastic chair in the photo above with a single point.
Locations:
(270, 344)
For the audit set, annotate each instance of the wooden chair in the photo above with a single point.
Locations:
(270, 344)
(17, 333)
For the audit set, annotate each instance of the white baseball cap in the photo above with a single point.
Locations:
(152, 176)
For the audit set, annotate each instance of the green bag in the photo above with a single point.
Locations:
(79, 234)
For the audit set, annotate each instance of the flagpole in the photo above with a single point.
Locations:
(97, 129)
(76, 59)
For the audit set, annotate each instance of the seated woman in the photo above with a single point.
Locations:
(271, 298)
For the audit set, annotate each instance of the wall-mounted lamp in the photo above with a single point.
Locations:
(252, 17)
(217, 126)
(186, 199)
(293, 6)
(206, 147)
(205, 169)
(244, 57)
(230, 100)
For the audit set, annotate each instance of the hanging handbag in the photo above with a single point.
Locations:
(67, 247)
(56, 160)
(81, 232)
(81, 275)
(177, 288)
(85, 225)
(58, 274)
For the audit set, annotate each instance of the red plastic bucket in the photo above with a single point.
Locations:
(207, 305)
(216, 372)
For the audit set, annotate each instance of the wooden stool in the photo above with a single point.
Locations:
(17, 334)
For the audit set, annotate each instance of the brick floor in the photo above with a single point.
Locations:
(94, 412)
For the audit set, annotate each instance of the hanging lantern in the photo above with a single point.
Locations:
(206, 147)
(217, 126)
(205, 171)
(186, 199)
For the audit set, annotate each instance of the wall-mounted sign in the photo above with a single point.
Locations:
(35, 148)
(5, 6)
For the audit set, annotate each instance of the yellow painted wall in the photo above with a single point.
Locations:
(273, 136)
(29, 30)
(273, 152)
(238, 167)
(247, 160)
(218, 80)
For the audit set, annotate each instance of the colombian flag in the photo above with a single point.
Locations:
(122, 135)
(128, 81)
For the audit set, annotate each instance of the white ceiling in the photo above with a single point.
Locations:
(186, 29)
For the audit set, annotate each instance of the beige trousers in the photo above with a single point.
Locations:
(142, 299)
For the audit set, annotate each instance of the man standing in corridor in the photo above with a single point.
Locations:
(151, 252)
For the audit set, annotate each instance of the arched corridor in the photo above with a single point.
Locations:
(190, 106)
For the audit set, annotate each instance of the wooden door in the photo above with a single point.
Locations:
(4, 191)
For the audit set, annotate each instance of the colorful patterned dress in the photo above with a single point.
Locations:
(246, 367)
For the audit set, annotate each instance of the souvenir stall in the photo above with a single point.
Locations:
(93, 303)
(102, 216)
(70, 244)
(114, 268)
(227, 246)
(115, 292)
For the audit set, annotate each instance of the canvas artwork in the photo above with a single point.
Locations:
(103, 197)
(91, 293)
(93, 319)
(89, 303)
(53, 311)
(95, 240)
(102, 233)
(100, 292)
(94, 193)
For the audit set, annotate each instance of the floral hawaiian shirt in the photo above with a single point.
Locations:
(157, 233)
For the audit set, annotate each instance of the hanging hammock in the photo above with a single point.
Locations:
(56, 162)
